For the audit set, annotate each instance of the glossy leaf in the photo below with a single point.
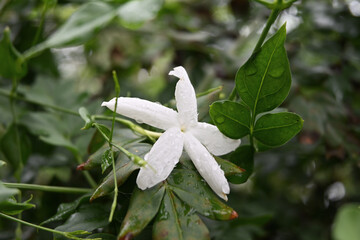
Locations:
(347, 221)
(12, 63)
(134, 13)
(193, 190)
(97, 141)
(87, 217)
(94, 159)
(244, 158)
(142, 209)
(232, 118)
(106, 160)
(176, 220)
(82, 25)
(233, 173)
(124, 167)
(66, 209)
(263, 82)
(6, 193)
(16, 136)
(12, 207)
(278, 128)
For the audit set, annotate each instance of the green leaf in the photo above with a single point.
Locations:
(66, 209)
(6, 193)
(233, 173)
(175, 220)
(12, 63)
(263, 82)
(347, 222)
(276, 4)
(244, 158)
(82, 25)
(14, 137)
(278, 128)
(232, 119)
(193, 190)
(85, 115)
(124, 167)
(134, 13)
(94, 159)
(143, 207)
(11, 207)
(97, 141)
(86, 218)
(106, 160)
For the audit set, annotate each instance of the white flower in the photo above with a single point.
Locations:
(182, 130)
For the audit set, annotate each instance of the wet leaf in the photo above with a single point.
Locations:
(232, 119)
(142, 209)
(244, 158)
(176, 220)
(233, 173)
(124, 167)
(278, 128)
(106, 160)
(263, 82)
(193, 190)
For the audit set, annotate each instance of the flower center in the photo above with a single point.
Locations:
(183, 128)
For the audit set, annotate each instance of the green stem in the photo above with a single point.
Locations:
(45, 188)
(274, 14)
(209, 91)
(65, 234)
(233, 94)
(42, 20)
(60, 109)
(131, 125)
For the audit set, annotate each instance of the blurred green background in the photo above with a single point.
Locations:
(296, 191)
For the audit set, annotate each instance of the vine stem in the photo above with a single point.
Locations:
(45, 188)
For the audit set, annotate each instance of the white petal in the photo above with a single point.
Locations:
(185, 98)
(162, 158)
(216, 142)
(144, 111)
(205, 163)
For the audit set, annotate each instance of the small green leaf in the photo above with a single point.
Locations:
(85, 115)
(106, 160)
(244, 158)
(6, 193)
(14, 137)
(193, 190)
(66, 209)
(11, 207)
(143, 207)
(263, 82)
(278, 128)
(347, 222)
(124, 167)
(232, 119)
(233, 173)
(134, 13)
(12, 63)
(97, 141)
(176, 220)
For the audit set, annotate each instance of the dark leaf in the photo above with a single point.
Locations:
(263, 82)
(143, 207)
(278, 128)
(244, 158)
(193, 190)
(233, 173)
(232, 119)
(12, 207)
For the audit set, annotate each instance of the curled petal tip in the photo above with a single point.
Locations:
(234, 215)
(179, 72)
(104, 104)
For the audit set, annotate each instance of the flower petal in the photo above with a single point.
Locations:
(144, 111)
(205, 163)
(216, 142)
(162, 158)
(185, 98)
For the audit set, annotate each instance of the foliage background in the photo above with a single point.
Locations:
(295, 191)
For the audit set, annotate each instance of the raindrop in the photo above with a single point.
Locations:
(276, 72)
(220, 119)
